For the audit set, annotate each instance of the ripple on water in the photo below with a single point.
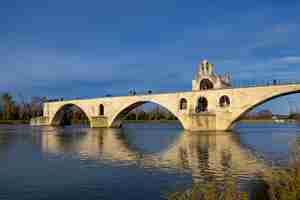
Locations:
(51, 162)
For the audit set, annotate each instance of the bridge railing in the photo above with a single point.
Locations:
(255, 83)
(234, 84)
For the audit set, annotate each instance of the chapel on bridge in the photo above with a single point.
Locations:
(206, 79)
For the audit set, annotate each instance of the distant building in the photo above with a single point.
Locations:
(206, 79)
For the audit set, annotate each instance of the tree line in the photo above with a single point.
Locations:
(10, 109)
(20, 110)
(267, 114)
(156, 113)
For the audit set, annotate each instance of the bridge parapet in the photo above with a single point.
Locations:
(270, 83)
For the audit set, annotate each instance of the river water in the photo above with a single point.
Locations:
(140, 161)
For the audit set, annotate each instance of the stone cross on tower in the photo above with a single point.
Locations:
(205, 68)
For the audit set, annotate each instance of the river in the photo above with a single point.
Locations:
(139, 161)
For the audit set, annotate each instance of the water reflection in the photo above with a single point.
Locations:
(205, 156)
(141, 161)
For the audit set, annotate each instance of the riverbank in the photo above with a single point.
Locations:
(267, 121)
(156, 121)
(14, 121)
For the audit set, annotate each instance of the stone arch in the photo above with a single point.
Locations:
(259, 102)
(224, 101)
(202, 104)
(101, 110)
(206, 84)
(117, 119)
(58, 116)
(183, 104)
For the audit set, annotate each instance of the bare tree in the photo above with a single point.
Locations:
(8, 106)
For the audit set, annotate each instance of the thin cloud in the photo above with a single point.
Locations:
(287, 60)
(242, 45)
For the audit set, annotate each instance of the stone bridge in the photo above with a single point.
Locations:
(201, 110)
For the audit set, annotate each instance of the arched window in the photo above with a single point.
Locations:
(183, 104)
(206, 84)
(224, 101)
(101, 110)
(202, 105)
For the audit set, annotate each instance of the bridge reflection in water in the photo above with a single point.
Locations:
(205, 156)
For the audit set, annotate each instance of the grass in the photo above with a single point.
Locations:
(211, 191)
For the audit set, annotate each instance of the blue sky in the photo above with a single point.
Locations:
(92, 48)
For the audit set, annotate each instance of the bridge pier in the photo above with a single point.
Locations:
(99, 122)
(207, 122)
(40, 121)
(191, 122)
(200, 122)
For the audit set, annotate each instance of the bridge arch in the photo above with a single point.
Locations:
(60, 113)
(117, 119)
(206, 84)
(259, 102)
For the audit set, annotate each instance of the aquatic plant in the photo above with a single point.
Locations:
(276, 184)
(284, 183)
(211, 191)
